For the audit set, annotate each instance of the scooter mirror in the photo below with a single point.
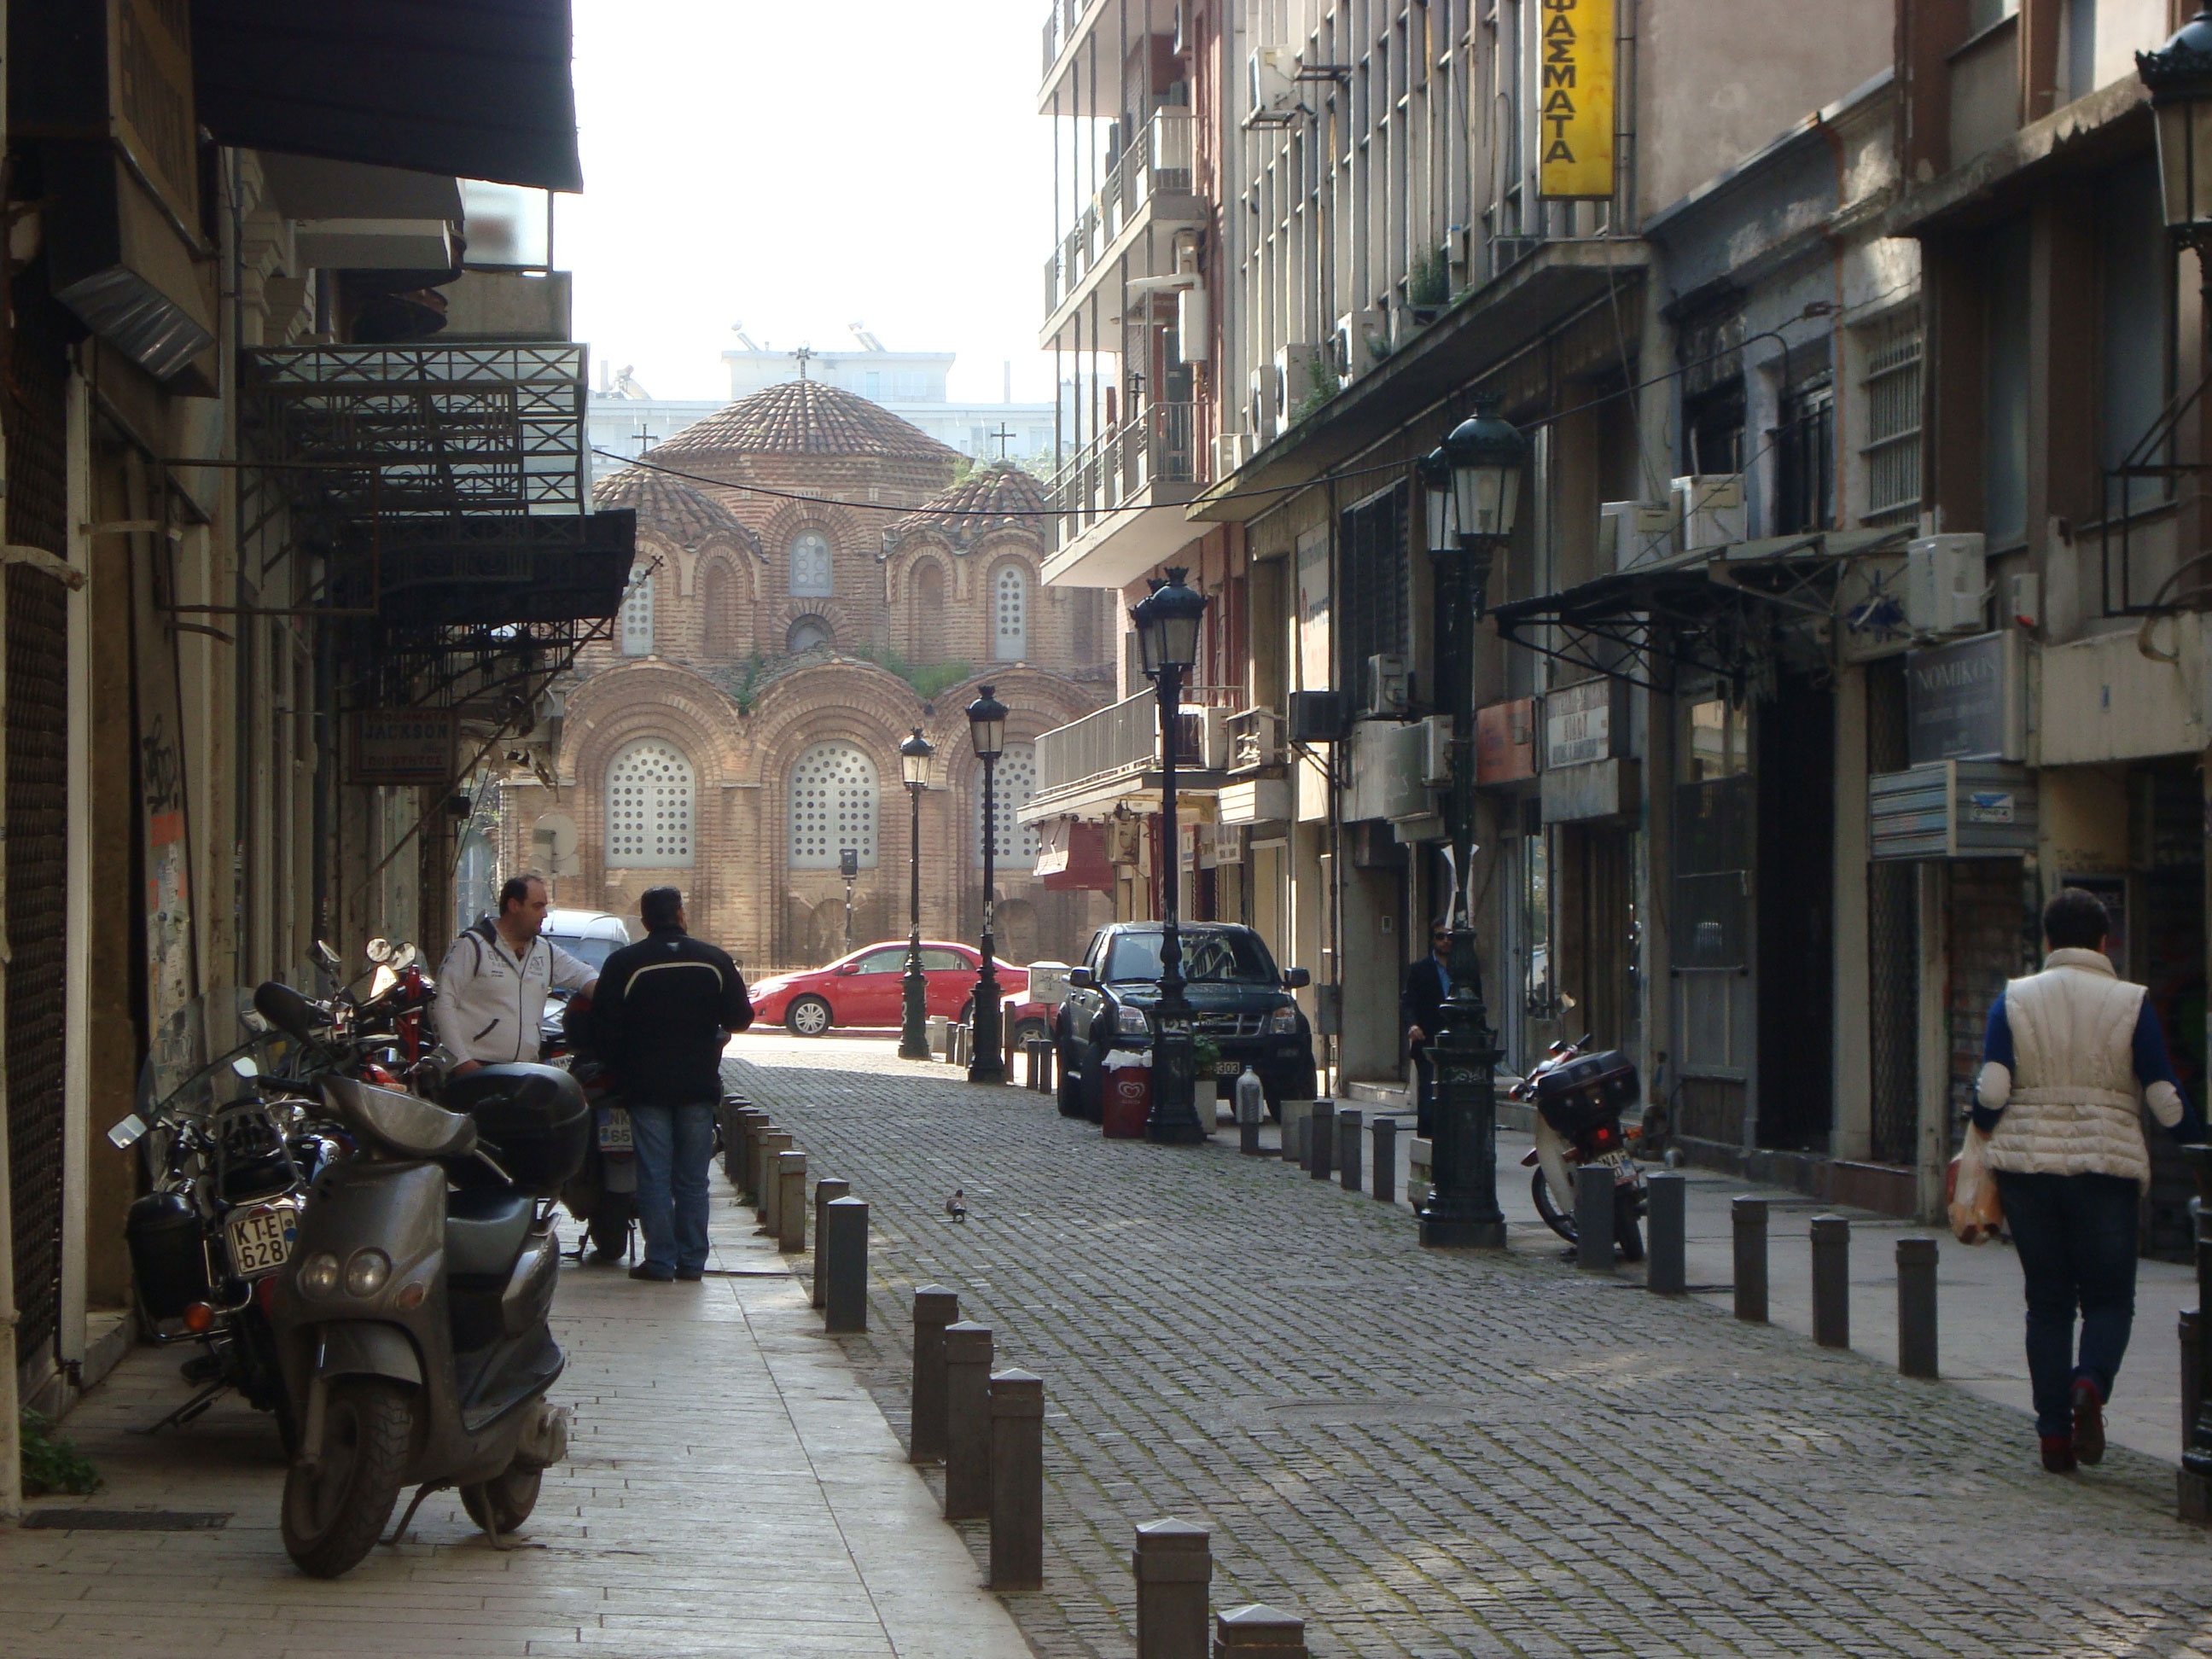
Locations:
(128, 1133)
(326, 958)
(378, 950)
(409, 956)
(247, 1066)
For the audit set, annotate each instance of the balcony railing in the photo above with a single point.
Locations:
(1159, 446)
(1122, 740)
(1156, 164)
(1060, 23)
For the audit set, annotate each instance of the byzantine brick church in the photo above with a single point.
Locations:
(773, 650)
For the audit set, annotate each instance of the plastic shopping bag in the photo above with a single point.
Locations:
(1971, 1188)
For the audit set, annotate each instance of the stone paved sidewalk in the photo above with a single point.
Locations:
(1429, 1453)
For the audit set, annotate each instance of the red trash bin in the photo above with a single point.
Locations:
(1128, 1102)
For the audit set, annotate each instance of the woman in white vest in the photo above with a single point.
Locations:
(2073, 1055)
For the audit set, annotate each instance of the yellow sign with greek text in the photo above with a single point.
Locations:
(1574, 121)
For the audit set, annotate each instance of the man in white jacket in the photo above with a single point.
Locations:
(494, 981)
(2073, 1055)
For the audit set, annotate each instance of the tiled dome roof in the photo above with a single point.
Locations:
(805, 417)
(999, 497)
(671, 506)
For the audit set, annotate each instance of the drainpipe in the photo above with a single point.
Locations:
(11, 1453)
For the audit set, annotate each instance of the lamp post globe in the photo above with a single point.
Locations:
(915, 755)
(986, 729)
(2178, 76)
(1477, 474)
(1168, 622)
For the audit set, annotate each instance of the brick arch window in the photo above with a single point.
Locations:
(716, 633)
(927, 643)
(637, 613)
(810, 575)
(1010, 614)
(649, 807)
(833, 806)
(1014, 843)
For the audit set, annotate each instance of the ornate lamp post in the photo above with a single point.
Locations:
(987, 726)
(1167, 638)
(1473, 484)
(915, 755)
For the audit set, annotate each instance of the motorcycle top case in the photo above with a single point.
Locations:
(1588, 1090)
(166, 1257)
(531, 1119)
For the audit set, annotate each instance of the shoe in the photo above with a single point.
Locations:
(2088, 1422)
(645, 1270)
(2058, 1453)
(691, 1275)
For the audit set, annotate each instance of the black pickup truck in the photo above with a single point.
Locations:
(1241, 1000)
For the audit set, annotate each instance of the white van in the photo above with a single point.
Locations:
(590, 936)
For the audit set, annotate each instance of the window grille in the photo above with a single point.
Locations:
(649, 808)
(833, 806)
(637, 615)
(1892, 389)
(809, 564)
(1014, 843)
(1378, 602)
(1012, 643)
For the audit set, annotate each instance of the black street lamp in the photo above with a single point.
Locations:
(987, 724)
(1473, 484)
(2179, 77)
(915, 755)
(1167, 639)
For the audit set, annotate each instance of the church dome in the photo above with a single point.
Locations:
(805, 417)
(999, 498)
(669, 506)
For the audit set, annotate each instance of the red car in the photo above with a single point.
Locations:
(868, 988)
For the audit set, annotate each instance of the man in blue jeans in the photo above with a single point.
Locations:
(665, 1007)
(2073, 1055)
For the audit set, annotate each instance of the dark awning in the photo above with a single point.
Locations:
(489, 571)
(471, 88)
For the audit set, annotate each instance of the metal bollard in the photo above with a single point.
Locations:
(1347, 1150)
(1667, 1273)
(1916, 1306)
(1749, 1216)
(935, 1308)
(1832, 1281)
(825, 1190)
(1039, 1053)
(1173, 1566)
(1593, 1203)
(1016, 1481)
(2193, 1374)
(1384, 1183)
(967, 1420)
(1292, 1148)
(1321, 1140)
(791, 1203)
(844, 1240)
(773, 1145)
(1261, 1630)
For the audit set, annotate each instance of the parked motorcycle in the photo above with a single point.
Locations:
(603, 1194)
(1580, 1098)
(412, 1319)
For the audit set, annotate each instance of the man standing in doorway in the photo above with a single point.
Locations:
(1421, 1012)
(665, 1007)
(2072, 1056)
(493, 984)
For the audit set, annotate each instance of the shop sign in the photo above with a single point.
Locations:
(1574, 119)
(1505, 741)
(1578, 724)
(1963, 702)
(403, 746)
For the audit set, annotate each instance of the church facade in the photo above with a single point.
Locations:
(815, 580)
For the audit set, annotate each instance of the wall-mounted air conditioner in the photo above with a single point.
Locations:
(1630, 533)
(1946, 581)
(1385, 695)
(1709, 507)
(1436, 753)
(1260, 404)
(1272, 87)
(1231, 451)
(1316, 716)
(1299, 375)
(1363, 340)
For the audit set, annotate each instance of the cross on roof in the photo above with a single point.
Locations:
(802, 357)
(1002, 437)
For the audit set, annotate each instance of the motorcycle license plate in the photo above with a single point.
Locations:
(614, 1131)
(260, 1239)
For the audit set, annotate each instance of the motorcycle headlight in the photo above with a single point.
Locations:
(1131, 1022)
(366, 1272)
(319, 1274)
(1284, 1022)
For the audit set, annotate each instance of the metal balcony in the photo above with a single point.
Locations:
(1153, 172)
(1158, 446)
(1113, 755)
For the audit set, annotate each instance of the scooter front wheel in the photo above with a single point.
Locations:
(503, 1503)
(334, 1514)
(1554, 1218)
(1627, 1232)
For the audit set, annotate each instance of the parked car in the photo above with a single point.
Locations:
(868, 988)
(1243, 1004)
(590, 936)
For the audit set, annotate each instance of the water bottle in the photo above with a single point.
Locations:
(1251, 1098)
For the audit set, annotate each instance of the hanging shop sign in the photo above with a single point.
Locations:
(1966, 702)
(1575, 88)
(1579, 725)
(403, 746)
(1505, 741)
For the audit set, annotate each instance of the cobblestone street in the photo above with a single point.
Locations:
(1426, 1453)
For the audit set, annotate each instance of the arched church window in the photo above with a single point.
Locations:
(715, 632)
(649, 807)
(810, 565)
(637, 614)
(809, 634)
(1011, 609)
(833, 806)
(927, 643)
(1014, 844)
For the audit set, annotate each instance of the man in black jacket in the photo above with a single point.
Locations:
(665, 1007)
(1421, 1012)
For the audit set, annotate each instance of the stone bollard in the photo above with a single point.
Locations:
(791, 1203)
(1593, 1209)
(1293, 1148)
(844, 1244)
(1261, 1630)
(1667, 1273)
(737, 1161)
(967, 1420)
(825, 1190)
(935, 1308)
(1916, 1306)
(756, 1158)
(2193, 1375)
(1383, 1182)
(773, 1145)
(1039, 1051)
(1832, 1281)
(1016, 1481)
(1174, 1565)
(1347, 1150)
(729, 1124)
(1749, 1216)
(1321, 1140)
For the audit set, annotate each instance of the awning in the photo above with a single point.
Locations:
(1071, 856)
(471, 88)
(496, 571)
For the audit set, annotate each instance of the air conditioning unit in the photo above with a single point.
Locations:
(1124, 840)
(1632, 533)
(1297, 377)
(1272, 87)
(1194, 332)
(1386, 695)
(1436, 751)
(1260, 405)
(1945, 581)
(1216, 743)
(1362, 342)
(1708, 507)
(1317, 716)
(1231, 451)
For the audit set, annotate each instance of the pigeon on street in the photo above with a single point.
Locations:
(955, 1206)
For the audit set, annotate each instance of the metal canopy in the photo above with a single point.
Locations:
(1726, 611)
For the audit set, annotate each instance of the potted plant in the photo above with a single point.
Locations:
(1206, 1096)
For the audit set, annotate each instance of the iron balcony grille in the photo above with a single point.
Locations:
(1157, 445)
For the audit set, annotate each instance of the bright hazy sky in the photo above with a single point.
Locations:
(800, 167)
